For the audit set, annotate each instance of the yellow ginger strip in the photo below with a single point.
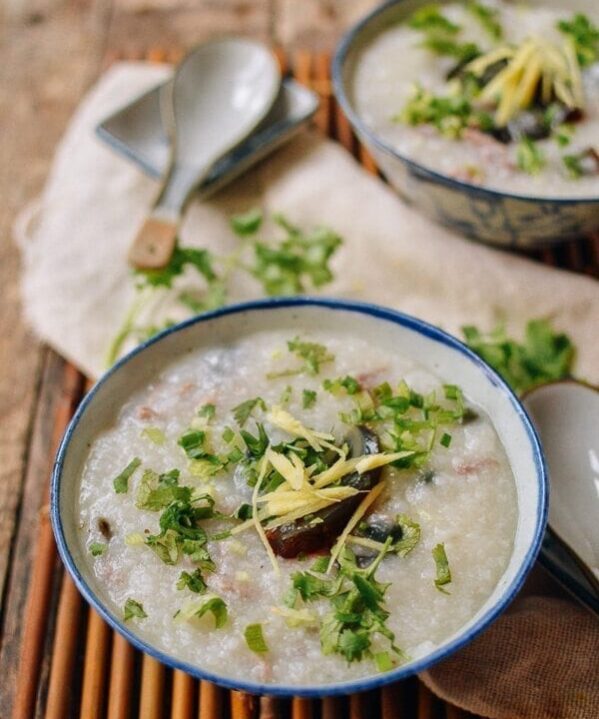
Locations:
(256, 520)
(480, 64)
(354, 519)
(361, 464)
(293, 471)
(287, 422)
(281, 503)
(335, 472)
(298, 514)
(373, 461)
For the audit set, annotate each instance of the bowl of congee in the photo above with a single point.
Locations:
(299, 496)
(483, 114)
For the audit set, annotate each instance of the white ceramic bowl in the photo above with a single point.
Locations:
(439, 352)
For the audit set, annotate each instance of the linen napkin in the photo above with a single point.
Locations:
(77, 286)
(76, 289)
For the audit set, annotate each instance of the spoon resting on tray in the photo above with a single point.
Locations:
(220, 92)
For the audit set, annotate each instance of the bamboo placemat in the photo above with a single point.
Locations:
(73, 666)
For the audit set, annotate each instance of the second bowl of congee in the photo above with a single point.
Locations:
(300, 496)
(490, 94)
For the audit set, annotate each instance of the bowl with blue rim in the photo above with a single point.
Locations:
(493, 216)
(429, 346)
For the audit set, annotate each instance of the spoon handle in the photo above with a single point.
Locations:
(154, 243)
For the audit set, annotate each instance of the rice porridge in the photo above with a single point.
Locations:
(499, 94)
(297, 510)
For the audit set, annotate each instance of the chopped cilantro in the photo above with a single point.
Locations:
(157, 491)
(121, 481)
(461, 51)
(308, 398)
(247, 223)
(563, 134)
(585, 35)
(199, 259)
(313, 354)
(181, 533)
(97, 549)
(445, 439)
(254, 638)
(573, 165)
(321, 564)
(410, 535)
(347, 383)
(212, 604)
(194, 581)
(192, 443)
(442, 566)
(244, 511)
(132, 609)
(450, 114)
(243, 411)
(529, 157)
(429, 18)
(207, 410)
(297, 263)
(543, 356)
(357, 613)
(487, 16)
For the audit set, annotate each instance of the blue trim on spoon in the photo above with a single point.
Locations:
(358, 685)
(422, 171)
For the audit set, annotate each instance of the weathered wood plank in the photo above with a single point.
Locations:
(26, 547)
(49, 53)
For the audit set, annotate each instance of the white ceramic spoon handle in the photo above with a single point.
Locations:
(155, 241)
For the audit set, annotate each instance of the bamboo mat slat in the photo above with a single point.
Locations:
(93, 672)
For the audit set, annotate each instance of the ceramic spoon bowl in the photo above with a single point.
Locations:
(566, 415)
(220, 92)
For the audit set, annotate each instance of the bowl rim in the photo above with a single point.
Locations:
(356, 685)
(343, 48)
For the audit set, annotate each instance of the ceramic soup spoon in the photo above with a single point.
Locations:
(219, 94)
(566, 415)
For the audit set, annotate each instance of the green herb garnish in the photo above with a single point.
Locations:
(247, 223)
(194, 581)
(132, 609)
(97, 549)
(298, 263)
(429, 18)
(121, 481)
(543, 356)
(585, 35)
(529, 156)
(243, 411)
(445, 439)
(213, 605)
(336, 386)
(442, 566)
(207, 410)
(309, 397)
(487, 16)
(254, 638)
(573, 164)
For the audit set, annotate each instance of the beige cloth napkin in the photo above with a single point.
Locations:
(76, 288)
(76, 284)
